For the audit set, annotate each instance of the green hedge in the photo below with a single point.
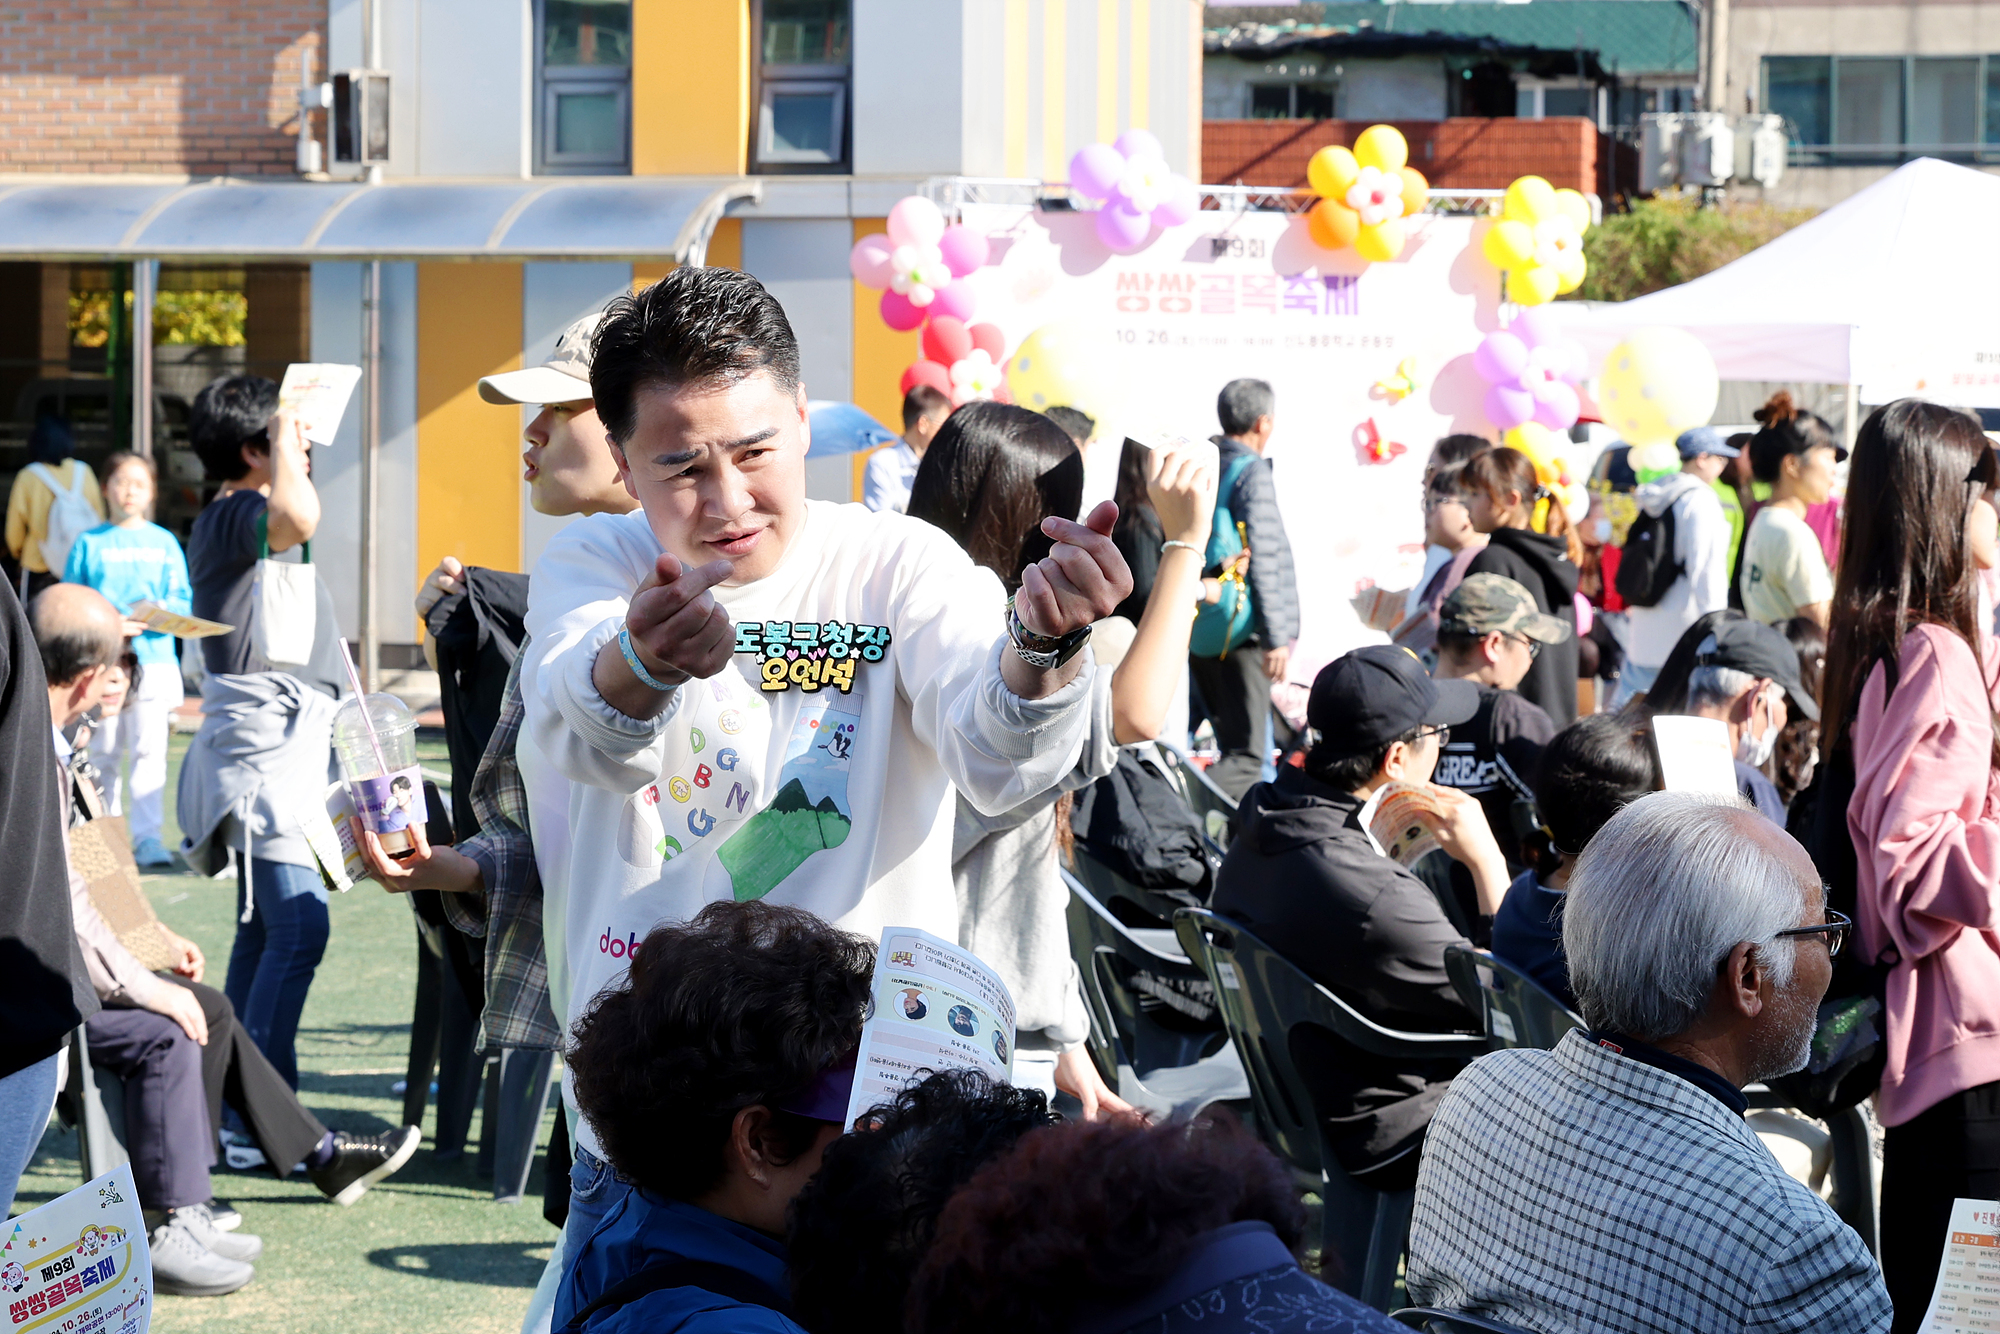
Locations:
(1669, 239)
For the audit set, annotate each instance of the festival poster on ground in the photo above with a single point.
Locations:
(79, 1264)
(1370, 363)
(1967, 1297)
(933, 1007)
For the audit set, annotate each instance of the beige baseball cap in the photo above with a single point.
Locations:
(563, 378)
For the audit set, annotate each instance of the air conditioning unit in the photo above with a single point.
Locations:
(361, 116)
(1708, 149)
(1761, 149)
(1659, 150)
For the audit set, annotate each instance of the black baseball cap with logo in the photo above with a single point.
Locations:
(1366, 699)
(1761, 650)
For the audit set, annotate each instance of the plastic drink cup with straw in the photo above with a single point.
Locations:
(375, 737)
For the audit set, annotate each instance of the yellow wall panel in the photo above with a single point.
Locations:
(725, 246)
(881, 354)
(690, 87)
(468, 451)
(646, 272)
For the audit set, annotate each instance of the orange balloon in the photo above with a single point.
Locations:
(1333, 225)
(1416, 191)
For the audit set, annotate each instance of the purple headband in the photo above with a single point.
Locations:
(826, 1097)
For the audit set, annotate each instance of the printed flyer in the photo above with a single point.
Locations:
(934, 1007)
(155, 617)
(79, 1264)
(1395, 818)
(317, 393)
(1967, 1297)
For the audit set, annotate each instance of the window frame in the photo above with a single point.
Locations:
(766, 80)
(551, 82)
(1985, 149)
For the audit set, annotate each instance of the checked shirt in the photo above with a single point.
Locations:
(1575, 1191)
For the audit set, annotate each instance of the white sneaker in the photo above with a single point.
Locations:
(183, 1267)
(240, 1153)
(241, 1246)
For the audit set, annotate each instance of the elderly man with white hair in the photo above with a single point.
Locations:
(1612, 1183)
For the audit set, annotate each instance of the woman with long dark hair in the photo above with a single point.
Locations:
(992, 473)
(1529, 541)
(1909, 693)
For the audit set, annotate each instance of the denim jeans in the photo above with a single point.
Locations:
(594, 1191)
(271, 965)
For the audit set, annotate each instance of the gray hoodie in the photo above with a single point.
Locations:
(263, 755)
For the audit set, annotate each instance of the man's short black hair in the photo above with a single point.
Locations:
(700, 327)
(1456, 642)
(924, 400)
(862, 1224)
(1350, 772)
(68, 651)
(745, 1004)
(1241, 403)
(228, 414)
(1079, 424)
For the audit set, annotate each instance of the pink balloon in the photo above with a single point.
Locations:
(1121, 230)
(1535, 327)
(964, 249)
(870, 262)
(1183, 201)
(1500, 360)
(946, 341)
(957, 300)
(988, 339)
(1508, 406)
(1556, 406)
(1094, 170)
(915, 220)
(926, 372)
(1136, 143)
(898, 313)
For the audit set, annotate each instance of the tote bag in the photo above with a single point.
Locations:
(284, 606)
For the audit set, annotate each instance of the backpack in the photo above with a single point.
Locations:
(70, 516)
(1646, 567)
(1224, 624)
(1134, 822)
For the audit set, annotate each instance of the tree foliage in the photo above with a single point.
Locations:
(1670, 238)
(199, 319)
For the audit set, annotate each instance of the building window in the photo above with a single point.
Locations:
(805, 61)
(583, 107)
(1886, 108)
(1293, 101)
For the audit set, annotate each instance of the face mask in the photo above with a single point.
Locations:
(1602, 529)
(1753, 750)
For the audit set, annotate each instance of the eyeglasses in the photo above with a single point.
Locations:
(1438, 730)
(1835, 929)
(1439, 502)
(1534, 646)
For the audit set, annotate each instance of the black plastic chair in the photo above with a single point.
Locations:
(1263, 999)
(1519, 1011)
(1215, 808)
(92, 1101)
(1134, 905)
(1172, 1071)
(1436, 1320)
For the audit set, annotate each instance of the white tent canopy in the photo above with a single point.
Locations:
(1896, 290)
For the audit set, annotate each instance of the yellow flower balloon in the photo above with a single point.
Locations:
(1382, 147)
(1416, 192)
(1538, 241)
(1333, 225)
(1656, 384)
(1380, 242)
(1331, 171)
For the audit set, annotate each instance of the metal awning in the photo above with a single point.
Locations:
(245, 218)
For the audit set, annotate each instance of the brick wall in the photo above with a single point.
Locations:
(204, 87)
(1465, 152)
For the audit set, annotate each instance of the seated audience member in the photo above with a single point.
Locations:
(1613, 1183)
(885, 483)
(714, 1072)
(1743, 673)
(1488, 634)
(1593, 769)
(1179, 1228)
(1307, 878)
(862, 1224)
(175, 1044)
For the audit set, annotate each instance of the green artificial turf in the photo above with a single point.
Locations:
(427, 1249)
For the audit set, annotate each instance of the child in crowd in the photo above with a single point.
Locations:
(132, 560)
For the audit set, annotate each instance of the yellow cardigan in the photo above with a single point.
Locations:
(28, 512)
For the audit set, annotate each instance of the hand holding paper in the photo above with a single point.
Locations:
(317, 393)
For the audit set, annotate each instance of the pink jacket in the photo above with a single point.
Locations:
(1926, 824)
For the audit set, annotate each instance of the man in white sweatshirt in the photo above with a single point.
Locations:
(755, 694)
(1701, 538)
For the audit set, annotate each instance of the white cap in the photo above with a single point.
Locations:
(563, 378)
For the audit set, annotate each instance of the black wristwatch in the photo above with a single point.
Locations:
(1045, 652)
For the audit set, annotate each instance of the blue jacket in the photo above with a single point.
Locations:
(645, 1229)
